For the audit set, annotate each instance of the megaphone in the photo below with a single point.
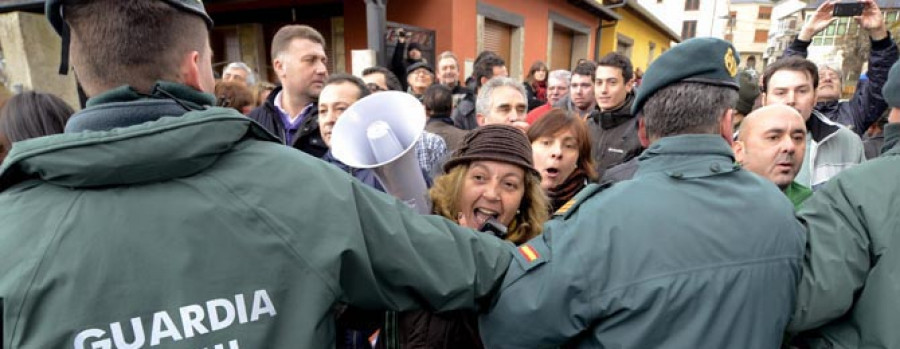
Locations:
(380, 132)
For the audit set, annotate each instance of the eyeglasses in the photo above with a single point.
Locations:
(420, 72)
(374, 88)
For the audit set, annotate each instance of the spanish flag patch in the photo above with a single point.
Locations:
(529, 253)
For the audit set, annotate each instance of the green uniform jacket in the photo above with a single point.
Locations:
(694, 252)
(200, 230)
(849, 296)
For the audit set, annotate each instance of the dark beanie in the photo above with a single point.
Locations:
(891, 89)
(495, 142)
(418, 65)
(413, 46)
(747, 93)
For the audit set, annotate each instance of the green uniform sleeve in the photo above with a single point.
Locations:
(542, 303)
(397, 259)
(837, 258)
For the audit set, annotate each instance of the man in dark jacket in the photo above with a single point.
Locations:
(405, 55)
(632, 266)
(290, 112)
(580, 100)
(614, 137)
(867, 104)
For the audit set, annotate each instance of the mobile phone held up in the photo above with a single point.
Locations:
(848, 9)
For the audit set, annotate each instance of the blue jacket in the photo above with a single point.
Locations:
(867, 104)
(364, 175)
(694, 252)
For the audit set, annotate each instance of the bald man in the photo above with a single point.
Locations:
(771, 144)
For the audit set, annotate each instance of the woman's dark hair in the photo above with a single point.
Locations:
(558, 120)
(33, 114)
(438, 100)
(536, 66)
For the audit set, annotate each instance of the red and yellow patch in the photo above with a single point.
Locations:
(529, 253)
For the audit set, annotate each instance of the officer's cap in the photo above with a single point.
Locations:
(891, 88)
(704, 60)
(54, 13)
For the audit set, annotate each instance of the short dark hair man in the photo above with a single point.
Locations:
(489, 66)
(580, 99)
(633, 266)
(380, 79)
(613, 128)
(159, 221)
(290, 112)
(867, 104)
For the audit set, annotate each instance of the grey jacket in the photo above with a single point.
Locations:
(830, 149)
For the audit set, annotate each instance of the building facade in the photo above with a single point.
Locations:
(639, 34)
(787, 18)
(522, 31)
(748, 27)
(691, 18)
(842, 44)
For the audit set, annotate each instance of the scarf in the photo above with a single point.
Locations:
(566, 190)
(540, 90)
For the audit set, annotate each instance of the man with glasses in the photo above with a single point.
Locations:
(867, 103)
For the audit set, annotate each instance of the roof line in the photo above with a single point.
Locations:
(653, 20)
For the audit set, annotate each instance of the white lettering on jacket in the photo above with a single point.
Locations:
(218, 314)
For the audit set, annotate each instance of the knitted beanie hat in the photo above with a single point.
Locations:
(497, 142)
(747, 93)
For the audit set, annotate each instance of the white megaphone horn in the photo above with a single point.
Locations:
(380, 132)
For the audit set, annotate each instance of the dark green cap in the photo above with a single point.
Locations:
(704, 60)
(53, 9)
(891, 88)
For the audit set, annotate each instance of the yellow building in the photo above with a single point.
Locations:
(638, 34)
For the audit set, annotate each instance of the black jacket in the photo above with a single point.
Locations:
(867, 104)
(308, 138)
(399, 63)
(614, 137)
(464, 114)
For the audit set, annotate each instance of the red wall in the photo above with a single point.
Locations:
(455, 24)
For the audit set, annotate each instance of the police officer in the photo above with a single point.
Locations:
(848, 295)
(694, 252)
(158, 221)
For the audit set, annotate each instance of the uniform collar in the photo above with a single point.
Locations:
(687, 156)
(170, 147)
(124, 106)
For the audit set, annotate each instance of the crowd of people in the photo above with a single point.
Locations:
(691, 204)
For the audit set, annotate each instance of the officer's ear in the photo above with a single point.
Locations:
(738, 148)
(191, 73)
(726, 127)
(642, 133)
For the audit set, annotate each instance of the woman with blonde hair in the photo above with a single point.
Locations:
(490, 184)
